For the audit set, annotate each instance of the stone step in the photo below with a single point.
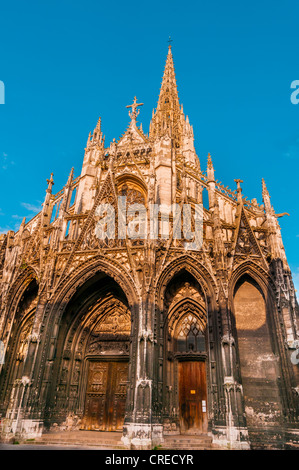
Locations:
(194, 439)
(100, 445)
(112, 441)
(80, 441)
(191, 447)
(81, 438)
(196, 442)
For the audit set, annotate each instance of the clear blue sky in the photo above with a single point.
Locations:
(65, 63)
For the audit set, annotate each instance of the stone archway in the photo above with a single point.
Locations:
(185, 357)
(258, 363)
(107, 360)
(190, 351)
(16, 352)
(92, 365)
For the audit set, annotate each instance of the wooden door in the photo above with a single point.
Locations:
(105, 396)
(193, 397)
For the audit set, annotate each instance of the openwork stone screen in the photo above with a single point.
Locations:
(190, 337)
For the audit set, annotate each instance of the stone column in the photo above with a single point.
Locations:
(21, 417)
(141, 429)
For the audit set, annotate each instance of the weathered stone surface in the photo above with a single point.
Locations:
(95, 329)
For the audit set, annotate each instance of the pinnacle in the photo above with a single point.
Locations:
(23, 223)
(98, 126)
(50, 181)
(50, 184)
(70, 178)
(265, 190)
(210, 163)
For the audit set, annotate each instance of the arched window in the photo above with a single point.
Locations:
(190, 337)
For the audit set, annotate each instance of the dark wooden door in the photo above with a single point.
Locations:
(105, 396)
(193, 397)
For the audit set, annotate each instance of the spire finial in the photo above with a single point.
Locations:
(70, 178)
(210, 169)
(50, 183)
(210, 163)
(134, 113)
(98, 126)
(169, 42)
(239, 189)
(266, 198)
(264, 186)
(97, 136)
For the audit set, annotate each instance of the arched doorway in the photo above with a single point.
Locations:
(260, 368)
(191, 356)
(93, 358)
(16, 352)
(107, 363)
(186, 356)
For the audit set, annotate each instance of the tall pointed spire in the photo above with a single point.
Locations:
(169, 86)
(266, 198)
(167, 118)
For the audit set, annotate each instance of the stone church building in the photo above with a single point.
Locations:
(150, 337)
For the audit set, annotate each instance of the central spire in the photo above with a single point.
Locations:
(168, 118)
(169, 86)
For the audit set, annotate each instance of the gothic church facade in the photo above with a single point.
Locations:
(144, 336)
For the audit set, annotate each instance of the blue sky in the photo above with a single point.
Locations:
(65, 63)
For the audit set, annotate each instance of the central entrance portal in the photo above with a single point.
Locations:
(193, 397)
(105, 396)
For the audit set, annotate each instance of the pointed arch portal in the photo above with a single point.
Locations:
(93, 357)
(186, 354)
(258, 362)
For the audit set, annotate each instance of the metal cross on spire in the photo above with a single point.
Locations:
(134, 113)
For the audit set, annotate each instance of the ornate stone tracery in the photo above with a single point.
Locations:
(92, 324)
